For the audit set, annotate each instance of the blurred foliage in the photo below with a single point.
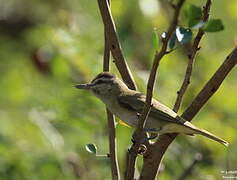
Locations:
(48, 46)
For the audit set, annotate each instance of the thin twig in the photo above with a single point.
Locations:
(153, 158)
(113, 146)
(211, 87)
(110, 117)
(106, 52)
(138, 134)
(191, 56)
(114, 44)
(187, 172)
(158, 56)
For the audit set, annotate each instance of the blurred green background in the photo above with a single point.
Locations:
(48, 46)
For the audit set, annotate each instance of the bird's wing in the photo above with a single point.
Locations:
(136, 102)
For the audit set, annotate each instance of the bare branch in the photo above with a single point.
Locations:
(156, 61)
(113, 146)
(115, 47)
(114, 44)
(211, 87)
(138, 134)
(110, 117)
(187, 172)
(191, 56)
(106, 52)
(155, 154)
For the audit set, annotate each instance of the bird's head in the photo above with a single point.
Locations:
(104, 84)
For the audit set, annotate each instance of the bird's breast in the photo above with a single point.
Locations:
(123, 114)
(129, 118)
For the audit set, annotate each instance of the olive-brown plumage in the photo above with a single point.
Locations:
(127, 104)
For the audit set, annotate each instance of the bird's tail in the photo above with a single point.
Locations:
(212, 136)
(206, 134)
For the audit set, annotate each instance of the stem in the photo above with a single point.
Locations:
(153, 158)
(194, 50)
(110, 117)
(114, 44)
(138, 134)
(187, 172)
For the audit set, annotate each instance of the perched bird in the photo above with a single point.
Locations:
(127, 104)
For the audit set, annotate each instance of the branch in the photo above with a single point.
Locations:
(113, 146)
(114, 44)
(211, 86)
(194, 50)
(110, 117)
(188, 171)
(156, 61)
(138, 134)
(106, 52)
(155, 154)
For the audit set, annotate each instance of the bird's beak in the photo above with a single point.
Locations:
(84, 86)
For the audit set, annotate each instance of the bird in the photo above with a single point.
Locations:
(127, 104)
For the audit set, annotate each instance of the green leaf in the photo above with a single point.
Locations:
(194, 15)
(213, 25)
(155, 39)
(183, 35)
(91, 148)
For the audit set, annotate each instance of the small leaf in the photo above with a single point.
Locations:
(172, 41)
(155, 39)
(91, 148)
(183, 35)
(213, 25)
(194, 15)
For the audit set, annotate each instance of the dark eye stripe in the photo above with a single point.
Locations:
(100, 81)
